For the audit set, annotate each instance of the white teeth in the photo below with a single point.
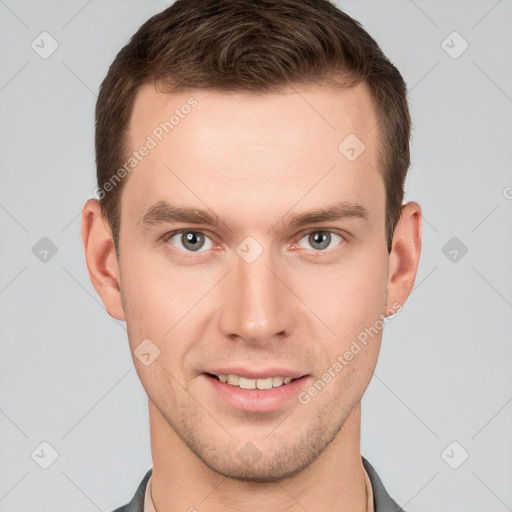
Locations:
(244, 383)
(264, 383)
(277, 381)
(233, 380)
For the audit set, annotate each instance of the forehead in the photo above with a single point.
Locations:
(318, 112)
(263, 149)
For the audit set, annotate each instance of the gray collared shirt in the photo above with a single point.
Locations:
(381, 499)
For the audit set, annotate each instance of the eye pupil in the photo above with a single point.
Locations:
(323, 238)
(190, 240)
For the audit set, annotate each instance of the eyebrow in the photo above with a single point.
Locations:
(166, 213)
(337, 211)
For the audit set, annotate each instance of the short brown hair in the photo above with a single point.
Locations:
(254, 46)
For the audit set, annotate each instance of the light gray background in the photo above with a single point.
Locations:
(66, 373)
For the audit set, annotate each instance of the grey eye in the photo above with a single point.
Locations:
(319, 240)
(192, 241)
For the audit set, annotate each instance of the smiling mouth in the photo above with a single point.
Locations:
(245, 383)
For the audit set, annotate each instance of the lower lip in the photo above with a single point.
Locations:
(258, 400)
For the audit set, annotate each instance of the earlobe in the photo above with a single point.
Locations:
(404, 256)
(101, 258)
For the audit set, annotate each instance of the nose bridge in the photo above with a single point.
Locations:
(256, 308)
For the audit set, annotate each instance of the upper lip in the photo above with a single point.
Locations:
(258, 374)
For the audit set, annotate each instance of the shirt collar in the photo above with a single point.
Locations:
(149, 506)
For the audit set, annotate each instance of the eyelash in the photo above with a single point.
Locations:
(171, 234)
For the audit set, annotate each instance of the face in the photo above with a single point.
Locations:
(252, 246)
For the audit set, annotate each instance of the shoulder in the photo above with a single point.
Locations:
(137, 502)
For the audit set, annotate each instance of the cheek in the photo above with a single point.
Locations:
(348, 298)
(152, 298)
(352, 304)
(160, 299)
(157, 305)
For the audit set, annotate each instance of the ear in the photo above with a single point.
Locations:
(101, 258)
(404, 256)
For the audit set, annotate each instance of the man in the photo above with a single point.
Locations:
(251, 158)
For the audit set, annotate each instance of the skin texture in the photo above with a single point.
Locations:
(254, 161)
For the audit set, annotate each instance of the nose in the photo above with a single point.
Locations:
(256, 304)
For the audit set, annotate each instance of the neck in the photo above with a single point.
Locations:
(182, 482)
